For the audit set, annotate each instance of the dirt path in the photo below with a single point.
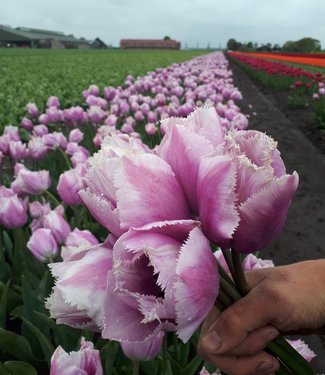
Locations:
(304, 234)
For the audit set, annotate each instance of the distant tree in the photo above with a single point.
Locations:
(302, 45)
(167, 37)
(276, 47)
(233, 45)
(289, 46)
(249, 45)
(308, 45)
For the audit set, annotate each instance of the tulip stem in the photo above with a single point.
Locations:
(229, 290)
(239, 276)
(136, 367)
(66, 160)
(51, 197)
(227, 255)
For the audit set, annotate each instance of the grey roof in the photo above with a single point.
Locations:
(25, 34)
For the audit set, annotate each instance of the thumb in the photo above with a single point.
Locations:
(246, 315)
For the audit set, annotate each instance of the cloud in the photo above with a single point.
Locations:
(190, 21)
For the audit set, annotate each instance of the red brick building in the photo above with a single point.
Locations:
(150, 44)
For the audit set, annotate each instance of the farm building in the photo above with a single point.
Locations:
(98, 44)
(36, 38)
(150, 44)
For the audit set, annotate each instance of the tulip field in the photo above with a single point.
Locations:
(305, 83)
(126, 199)
(34, 75)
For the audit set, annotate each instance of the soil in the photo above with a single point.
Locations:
(302, 146)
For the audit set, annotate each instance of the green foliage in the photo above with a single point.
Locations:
(233, 45)
(302, 45)
(34, 75)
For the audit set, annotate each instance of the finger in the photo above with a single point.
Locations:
(246, 315)
(255, 342)
(262, 363)
(255, 277)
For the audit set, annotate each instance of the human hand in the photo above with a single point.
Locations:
(288, 299)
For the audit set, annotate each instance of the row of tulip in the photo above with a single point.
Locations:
(304, 59)
(34, 75)
(127, 232)
(305, 88)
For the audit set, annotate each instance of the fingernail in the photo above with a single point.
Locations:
(212, 341)
(264, 366)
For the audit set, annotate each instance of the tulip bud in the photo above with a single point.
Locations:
(12, 209)
(42, 244)
(84, 361)
(58, 226)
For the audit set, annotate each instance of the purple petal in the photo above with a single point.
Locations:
(148, 192)
(122, 322)
(102, 211)
(205, 122)
(146, 350)
(84, 293)
(183, 149)
(263, 215)
(198, 284)
(216, 184)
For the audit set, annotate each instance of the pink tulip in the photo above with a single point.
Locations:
(302, 348)
(74, 114)
(27, 124)
(12, 132)
(70, 183)
(58, 225)
(17, 150)
(12, 209)
(151, 129)
(32, 110)
(152, 117)
(80, 238)
(100, 194)
(40, 130)
(53, 101)
(43, 245)
(37, 209)
(76, 135)
(54, 114)
(264, 190)
(111, 120)
(37, 149)
(96, 114)
(29, 182)
(4, 144)
(164, 279)
(95, 100)
(85, 361)
(76, 300)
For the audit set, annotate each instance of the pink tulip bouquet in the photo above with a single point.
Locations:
(167, 209)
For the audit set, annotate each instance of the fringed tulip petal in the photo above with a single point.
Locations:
(263, 215)
(102, 210)
(147, 191)
(197, 286)
(83, 293)
(217, 211)
(191, 147)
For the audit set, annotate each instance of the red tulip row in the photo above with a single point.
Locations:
(275, 68)
(307, 60)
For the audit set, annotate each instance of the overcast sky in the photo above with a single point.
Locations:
(195, 23)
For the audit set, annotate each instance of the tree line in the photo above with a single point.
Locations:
(301, 45)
